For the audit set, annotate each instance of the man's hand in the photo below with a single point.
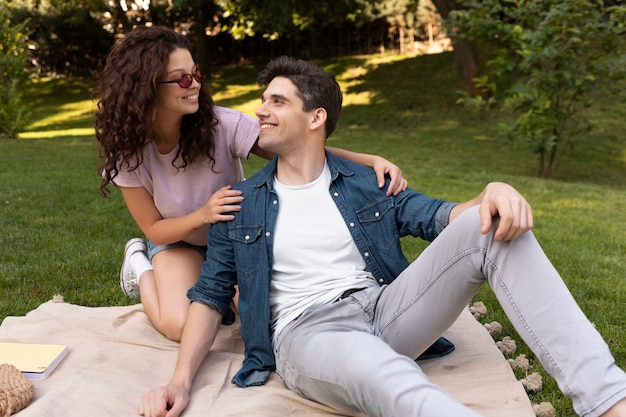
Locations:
(201, 327)
(384, 167)
(167, 401)
(502, 200)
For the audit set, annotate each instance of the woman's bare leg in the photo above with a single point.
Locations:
(164, 290)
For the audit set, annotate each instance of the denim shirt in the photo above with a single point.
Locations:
(240, 251)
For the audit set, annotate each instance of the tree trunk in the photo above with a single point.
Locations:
(203, 17)
(553, 163)
(468, 65)
(541, 164)
(470, 61)
(120, 17)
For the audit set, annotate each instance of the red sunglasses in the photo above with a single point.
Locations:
(186, 80)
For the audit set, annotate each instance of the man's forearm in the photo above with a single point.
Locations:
(201, 327)
(461, 207)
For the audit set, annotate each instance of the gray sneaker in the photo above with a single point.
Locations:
(128, 280)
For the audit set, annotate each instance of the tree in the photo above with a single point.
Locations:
(67, 36)
(193, 18)
(13, 64)
(398, 14)
(318, 20)
(549, 59)
(468, 53)
(274, 19)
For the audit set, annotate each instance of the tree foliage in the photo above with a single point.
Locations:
(13, 61)
(68, 36)
(548, 60)
(74, 36)
(468, 52)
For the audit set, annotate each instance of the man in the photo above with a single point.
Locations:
(330, 302)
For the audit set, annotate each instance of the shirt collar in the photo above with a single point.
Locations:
(337, 166)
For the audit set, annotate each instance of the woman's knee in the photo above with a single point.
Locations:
(172, 327)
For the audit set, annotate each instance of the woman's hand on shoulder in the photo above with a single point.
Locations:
(383, 167)
(223, 202)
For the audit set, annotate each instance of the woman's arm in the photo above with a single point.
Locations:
(379, 164)
(164, 231)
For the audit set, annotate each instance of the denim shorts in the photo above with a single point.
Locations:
(154, 249)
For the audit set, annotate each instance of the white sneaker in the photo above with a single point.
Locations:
(128, 280)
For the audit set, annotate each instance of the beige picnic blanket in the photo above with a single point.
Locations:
(115, 355)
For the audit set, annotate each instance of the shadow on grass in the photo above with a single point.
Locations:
(405, 103)
(60, 107)
(414, 99)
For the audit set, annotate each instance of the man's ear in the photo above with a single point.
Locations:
(319, 119)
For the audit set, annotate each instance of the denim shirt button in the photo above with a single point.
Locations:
(275, 202)
(366, 254)
(336, 194)
(381, 280)
(377, 214)
(351, 224)
(267, 234)
(247, 237)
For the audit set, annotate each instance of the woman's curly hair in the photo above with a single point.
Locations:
(128, 104)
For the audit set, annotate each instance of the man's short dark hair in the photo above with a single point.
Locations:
(317, 88)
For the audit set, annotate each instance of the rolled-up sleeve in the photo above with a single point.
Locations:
(216, 284)
(421, 216)
(442, 216)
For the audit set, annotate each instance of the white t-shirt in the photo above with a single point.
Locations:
(315, 257)
(180, 192)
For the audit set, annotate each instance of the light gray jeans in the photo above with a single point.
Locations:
(357, 354)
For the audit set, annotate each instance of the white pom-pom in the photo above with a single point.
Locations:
(544, 410)
(507, 345)
(519, 363)
(478, 309)
(493, 328)
(532, 382)
(57, 298)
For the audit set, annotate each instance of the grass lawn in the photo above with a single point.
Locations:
(59, 236)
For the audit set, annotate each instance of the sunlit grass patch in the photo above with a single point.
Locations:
(80, 110)
(45, 134)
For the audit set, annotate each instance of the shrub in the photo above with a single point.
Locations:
(549, 59)
(13, 64)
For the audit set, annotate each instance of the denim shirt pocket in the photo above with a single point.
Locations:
(246, 241)
(378, 219)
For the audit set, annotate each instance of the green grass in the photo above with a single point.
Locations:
(59, 236)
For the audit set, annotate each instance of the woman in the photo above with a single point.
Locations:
(174, 155)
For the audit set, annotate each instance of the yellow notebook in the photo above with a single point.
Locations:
(36, 361)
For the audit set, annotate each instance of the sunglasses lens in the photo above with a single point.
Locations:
(185, 81)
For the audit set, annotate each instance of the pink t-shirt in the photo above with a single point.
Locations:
(179, 192)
